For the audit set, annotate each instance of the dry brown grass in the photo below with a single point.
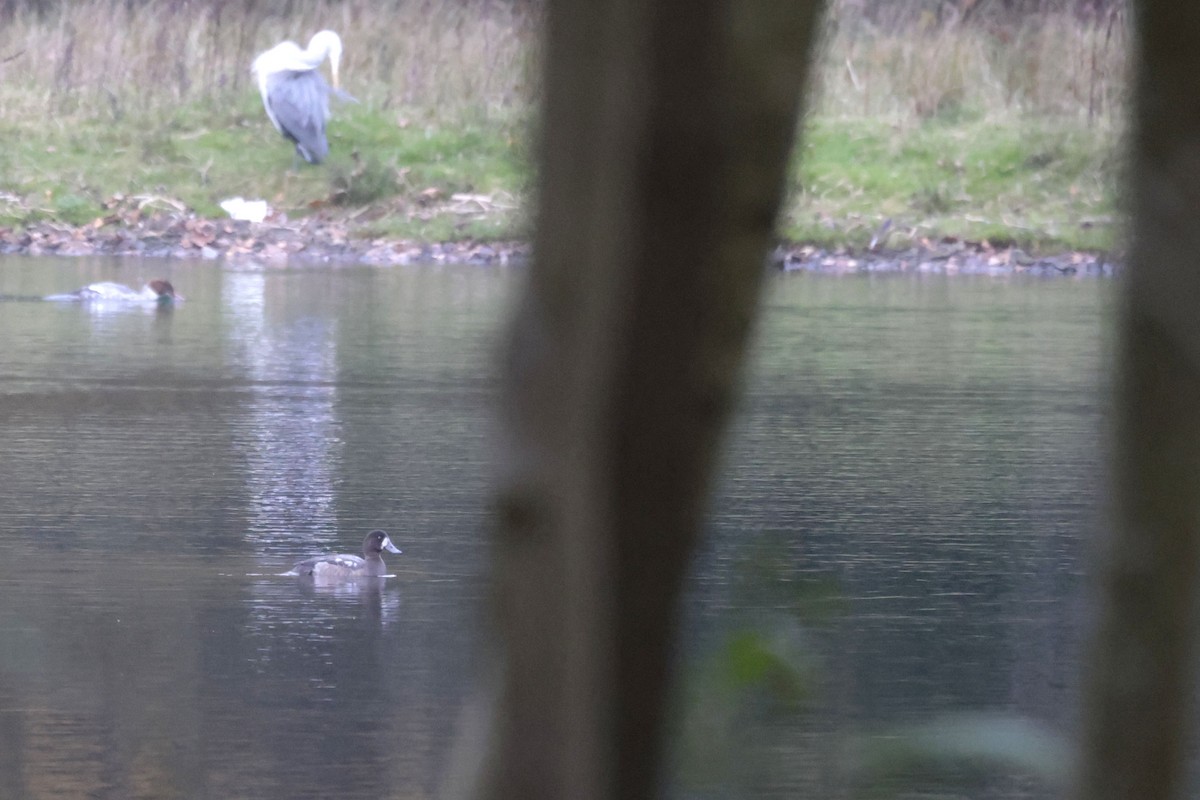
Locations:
(448, 58)
(101, 56)
(444, 58)
(1045, 64)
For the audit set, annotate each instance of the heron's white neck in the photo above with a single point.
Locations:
(325, 44)
(322, 44)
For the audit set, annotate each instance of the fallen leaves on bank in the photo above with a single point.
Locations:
(163, 227)
(945, 256)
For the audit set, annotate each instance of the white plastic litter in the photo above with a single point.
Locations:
(251, 210)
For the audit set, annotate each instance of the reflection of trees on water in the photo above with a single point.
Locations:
(289, 436)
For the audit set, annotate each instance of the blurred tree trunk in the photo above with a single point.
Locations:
(667, 127)
(1139, 705)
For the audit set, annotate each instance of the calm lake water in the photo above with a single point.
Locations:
(929, 449)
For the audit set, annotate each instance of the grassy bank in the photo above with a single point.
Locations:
(944, 128)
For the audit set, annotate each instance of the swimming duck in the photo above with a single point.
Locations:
(345, 567)
(156, 291)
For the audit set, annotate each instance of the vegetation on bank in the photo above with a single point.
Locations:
(998, 129)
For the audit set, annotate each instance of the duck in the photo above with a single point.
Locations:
(157, 291)
(347, 567)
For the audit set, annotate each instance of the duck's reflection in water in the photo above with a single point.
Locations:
(378, 597)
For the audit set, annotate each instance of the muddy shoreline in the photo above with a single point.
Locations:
(330, 241)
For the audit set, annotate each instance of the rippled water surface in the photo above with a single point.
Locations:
(929, 448)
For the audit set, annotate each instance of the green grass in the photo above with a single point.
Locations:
(1042, 184)
(198, 157)
(1003, 132)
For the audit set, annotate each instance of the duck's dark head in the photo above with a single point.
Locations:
(164, 290)
(377, 542)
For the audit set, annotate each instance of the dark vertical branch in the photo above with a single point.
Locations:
(1139, 696)
(667, 128)
(727, 89)
(553, 559)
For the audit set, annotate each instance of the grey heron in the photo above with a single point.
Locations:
(295, 94)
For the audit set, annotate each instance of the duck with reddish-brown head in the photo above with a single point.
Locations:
(157, 292)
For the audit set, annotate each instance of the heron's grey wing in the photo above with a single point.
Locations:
(300, 103)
